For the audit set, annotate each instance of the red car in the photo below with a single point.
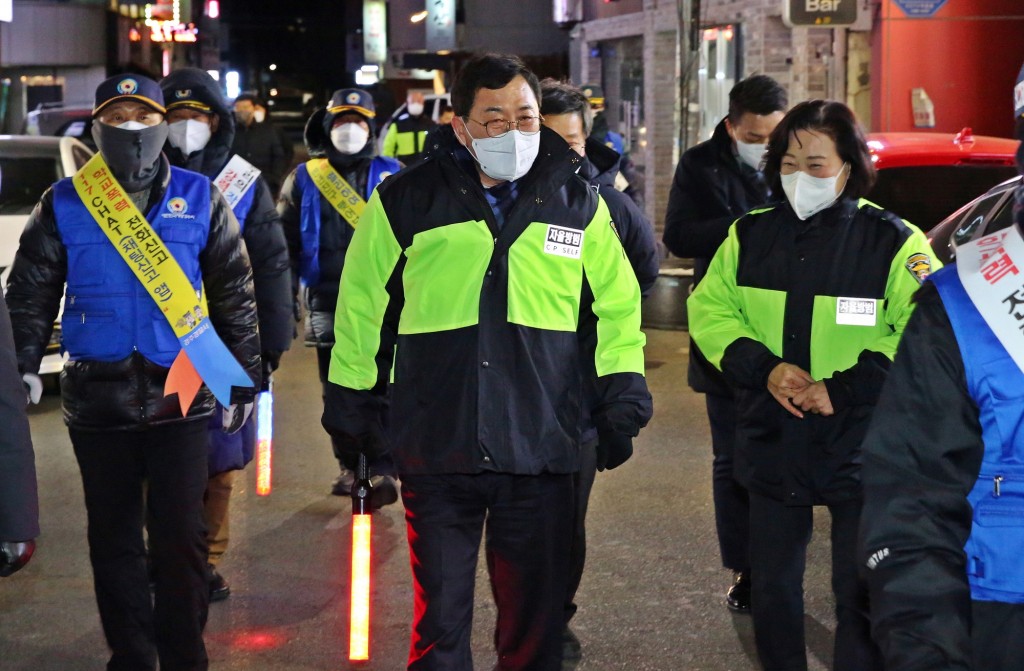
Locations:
(925, 177)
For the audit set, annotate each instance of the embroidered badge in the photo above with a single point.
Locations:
(127, 87)
(920, 266)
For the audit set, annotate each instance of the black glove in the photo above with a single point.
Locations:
(354, 418)
(613, 449)
(270, 362)
(236, 414)
(14, 555)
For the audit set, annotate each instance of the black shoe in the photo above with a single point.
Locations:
(572, 651)
(384, 492)
(342, 485)
(219, 588)
(738, 596)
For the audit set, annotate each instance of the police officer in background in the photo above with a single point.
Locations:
(407, 135)
(566, 111)
(942, 531)
(480, 260)
(19, 502)
(172, 226)
(715, 183)
(319, 226)
(200, 131)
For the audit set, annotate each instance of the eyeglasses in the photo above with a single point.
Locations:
(527, 125)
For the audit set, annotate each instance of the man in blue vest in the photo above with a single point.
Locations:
(200, 131)
(319, 229)
(152, 259)
(943, 522)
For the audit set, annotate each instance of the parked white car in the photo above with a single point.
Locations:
(28, 166)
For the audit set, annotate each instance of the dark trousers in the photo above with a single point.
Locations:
(167, 467)
(528, 522)
(582, 483)
(732, 504)
(997, 630)
(778, 557)
(379, 466)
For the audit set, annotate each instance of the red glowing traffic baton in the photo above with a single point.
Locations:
(264, 439)
(359, 611)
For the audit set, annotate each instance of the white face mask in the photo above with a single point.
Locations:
(809, 195)
(258, 116)
(349, 138)
(751, 154)
(415, 109)
(509, 157)
(132, 125)
(189, 135)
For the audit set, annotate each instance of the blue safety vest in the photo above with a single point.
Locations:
(996, 545)
(244, 204)
(309, 262)
(107, 312)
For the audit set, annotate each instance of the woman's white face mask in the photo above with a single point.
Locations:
(189, 135)
(349, 138)
(809, 195)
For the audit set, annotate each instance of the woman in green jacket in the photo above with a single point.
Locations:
(801, 310)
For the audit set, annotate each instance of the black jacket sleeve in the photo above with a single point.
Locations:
(36, 284)
(689, 232)
(922, 455)
(289, 209)
(227, 278)
(19, 500)
(637, 236)
(268, 254)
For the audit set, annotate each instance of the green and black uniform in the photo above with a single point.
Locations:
(481, 315)
(831, 295)
(406, 137)
(486, 372)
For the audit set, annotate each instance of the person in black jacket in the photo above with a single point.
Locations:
(259, 143)
(19, 501)
(466, 284)
(201, 127)
(340, 139)
(567, 111)
(128, 434)
(941, 532)
(715, 183)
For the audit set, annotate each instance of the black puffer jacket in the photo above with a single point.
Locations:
(261, 230)
(19, 500)
(129, 393)
(710, 190)
(335, 232)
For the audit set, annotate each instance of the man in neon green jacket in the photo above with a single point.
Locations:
(467, 279)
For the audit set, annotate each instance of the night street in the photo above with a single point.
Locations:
(651, 598)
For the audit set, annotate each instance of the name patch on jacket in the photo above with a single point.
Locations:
(567, 242)
(856, 311)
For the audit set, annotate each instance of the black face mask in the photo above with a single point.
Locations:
(133, 155)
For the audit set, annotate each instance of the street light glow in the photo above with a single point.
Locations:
(273, 66)
(418, 16)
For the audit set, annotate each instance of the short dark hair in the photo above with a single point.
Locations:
(251, 97)
(563, 98)
(759, 95)
(835, 120)
(488, 71)
(447, 108)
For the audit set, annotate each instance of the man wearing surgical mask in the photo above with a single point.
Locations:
(200, 131)
(472, 279)
(141, 448)
(715, 183)
(257, 142)
(319, 228)
(406, 136)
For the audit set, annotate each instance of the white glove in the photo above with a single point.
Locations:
(33, 387)
(234, 416)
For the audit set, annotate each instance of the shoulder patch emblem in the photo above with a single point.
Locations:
(920, 266)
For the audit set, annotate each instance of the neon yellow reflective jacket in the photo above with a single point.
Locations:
(479, 328)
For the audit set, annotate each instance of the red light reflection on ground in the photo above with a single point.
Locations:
(257, 640)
